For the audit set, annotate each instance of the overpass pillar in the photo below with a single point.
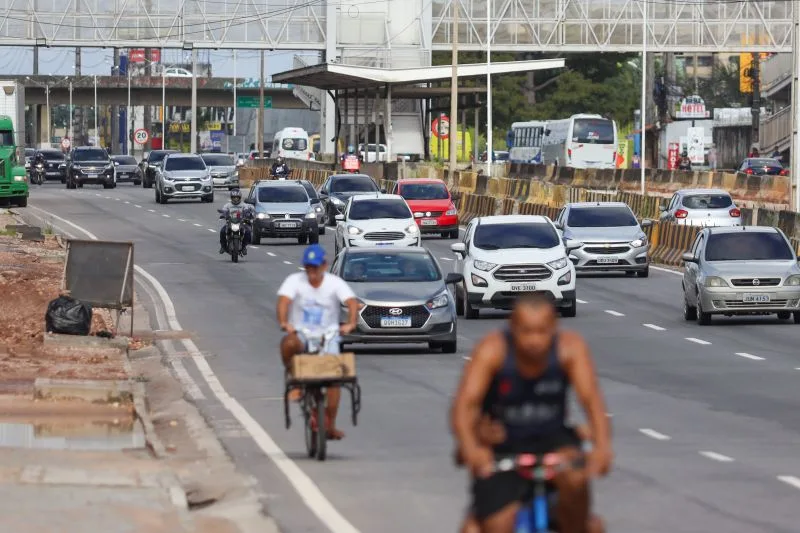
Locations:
(327, 126)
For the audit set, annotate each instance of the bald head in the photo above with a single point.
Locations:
(533, 325)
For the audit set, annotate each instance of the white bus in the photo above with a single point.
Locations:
(581, 141)
(526, 141)
(291, 143)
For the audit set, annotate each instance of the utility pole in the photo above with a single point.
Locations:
(794, 153)
(147, 119)
(260, 114)
(115, 146)
(193, 140)
(755, 74)
(489, 147)
(452, 137)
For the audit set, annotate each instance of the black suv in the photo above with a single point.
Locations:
(90, 164)
(339, 187)
(54, 164)
(154, 160)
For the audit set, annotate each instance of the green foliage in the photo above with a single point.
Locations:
(721, 89)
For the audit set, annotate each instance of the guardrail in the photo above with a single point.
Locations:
(776, 130)
(775, 73)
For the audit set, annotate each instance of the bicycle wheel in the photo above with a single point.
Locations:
(311, 435)
(322, 429)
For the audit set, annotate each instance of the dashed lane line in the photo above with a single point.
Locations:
(165, 215)
(749, 356)
(654, 327)
(614, 313)
(212, 230)
(198, 225)
(127, 202)
(152, 210)
(270, 254)
(697, 341)
(137, 205)
(287, 262)
(716, 456)
(653, 434)
(790, 480)
(582, 302)
(181, 220)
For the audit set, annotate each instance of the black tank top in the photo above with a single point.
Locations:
(528, 408)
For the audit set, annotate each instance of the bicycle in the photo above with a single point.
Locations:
(312, 373)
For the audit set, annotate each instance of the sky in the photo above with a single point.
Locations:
(61, 61)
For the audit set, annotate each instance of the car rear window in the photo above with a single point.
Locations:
(764, 163)
(505, 236)
(600, 217)
(743, 246)
(707, 201)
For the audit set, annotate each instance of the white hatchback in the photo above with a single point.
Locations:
(376, 220)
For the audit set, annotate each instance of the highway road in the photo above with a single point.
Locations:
(706, 425)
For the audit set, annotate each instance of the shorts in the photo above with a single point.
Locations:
(492, 494)
(331, 348)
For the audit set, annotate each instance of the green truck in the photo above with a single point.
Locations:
(13, 178)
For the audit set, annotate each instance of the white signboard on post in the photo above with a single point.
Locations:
(141, 136)
(696, 145)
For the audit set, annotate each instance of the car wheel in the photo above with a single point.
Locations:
(107, 186)
(137, 182)
(571, 310)
(80, 185)
(302, 239)
(313, 239)
(470, 313)
(459, 303)
(446, 347)
(689, 312)
(630, 273)
(322, 230)
(796, 318)
(22, 201)
(703, 318)
(63, 180)
(784, 315)
(644, 273)
(256, 237)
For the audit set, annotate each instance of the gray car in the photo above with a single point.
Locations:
(224, 172)
(127, 169)
(741, 271)
(403, 295)
(612, 238)
(283, 210)
(701, 207)
(183, 176)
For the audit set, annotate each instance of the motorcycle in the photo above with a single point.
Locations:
(279, 174)
(234, 232)
(38, 174)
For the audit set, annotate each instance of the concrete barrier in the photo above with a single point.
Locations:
(668, 242)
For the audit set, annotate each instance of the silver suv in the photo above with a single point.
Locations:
(183, 176)
(701, 207)
(612, 238)
(283, 210)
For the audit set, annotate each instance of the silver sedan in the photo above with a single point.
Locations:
(749, 270)
(403, 296)
(701, 207)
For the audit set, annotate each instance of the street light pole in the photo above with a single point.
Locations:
(69, 129)
(163, 104)
(47, 107)
(489, 148)
(643, 112)
(452, 136)
(234, 93)
(128, 113)
(96, 128)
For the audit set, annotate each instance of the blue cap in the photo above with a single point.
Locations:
(314, 255)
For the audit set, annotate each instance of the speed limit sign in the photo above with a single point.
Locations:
(141, 136)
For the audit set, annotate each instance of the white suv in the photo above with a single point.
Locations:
(502, 257)
(376, 220)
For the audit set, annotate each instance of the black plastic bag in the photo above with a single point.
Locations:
(68, 316)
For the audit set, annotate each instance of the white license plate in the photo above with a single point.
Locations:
(384, 244)
(530, 287)
(123, 174)
(756, 298)
(399, 322)
(287, 224)
(187, 188)
(607, 261)
(430, 222)
(91, 175)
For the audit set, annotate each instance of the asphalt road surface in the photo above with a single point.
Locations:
(706, 425)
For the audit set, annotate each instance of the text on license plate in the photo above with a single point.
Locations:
(528, 287)
(91, 175)
(430, 222)
(287, 224)
(607, 260)
(187, 188)
(756, 298)
(384, 244)
(396, 322)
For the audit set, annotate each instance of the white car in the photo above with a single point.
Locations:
(176, 72)
(376, 220)
(502, 257)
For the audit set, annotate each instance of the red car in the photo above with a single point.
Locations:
(432, 205)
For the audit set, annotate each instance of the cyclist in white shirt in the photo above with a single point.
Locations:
(314, 298)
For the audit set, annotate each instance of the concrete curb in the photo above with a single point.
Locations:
(93, 391)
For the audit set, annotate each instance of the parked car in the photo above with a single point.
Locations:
(151, 165)
(183, 176)
(701, 207)
(404, 297)
(176, 72)
(613, 240)
(283, 211)
(90, 165)
(29, 153)
(224, 172)
(127, 169)
(432, 205)
(376, 220)
(742, 270)
(502, 257)
(763, 166)
(338, 188)
(315, 199)
(55, 167)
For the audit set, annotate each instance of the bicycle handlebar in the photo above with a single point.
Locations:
(550, 463)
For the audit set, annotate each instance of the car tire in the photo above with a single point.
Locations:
(445, 347)
(63, 180)
(784, 315)
(107, 186)
(689, 312)
(703, 318)
(137, 182)
(630, 273)
(302, 239)
(644, 273)
(796, 318)
(470, 313)
(22, 201)
(322, 230)
(459, 304)
(256, 237)
(571, 311)
(208, 199)
(313, 239)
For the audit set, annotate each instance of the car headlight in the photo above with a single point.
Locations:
(438, 301)
(483, 265)
(558, 264)
(19, 178)
(352, 230)
(451, 211)
(638, 243)
(792, 281)
(318, 209)
(336, 201)
(262, 216)
(311, 214)
(714, 281)
(412, 229)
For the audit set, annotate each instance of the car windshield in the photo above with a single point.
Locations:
(593, 131)
(29, 152)
(424, 191)
(309, 189)
(347, 184)
(156, 157)
(125, 160)
(390, 267)
(707, 201)
(218, 160)
(763, 163)
(505, 236)
(379, 208)
(52, 154)
(744, 246)
(297, 144)
(6, 138)
(96, 154)
(282, 195)
(184, 163)
(600, 217)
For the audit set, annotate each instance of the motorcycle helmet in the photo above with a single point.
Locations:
(684, 154)
(279, 160)
(351, 149)
(236, 196)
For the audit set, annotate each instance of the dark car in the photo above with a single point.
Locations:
(92, 165)
(312, 193)
(763, 166)
(338, 188)
(127, 169)
(283, 210)
(151, 165)
(54, 164)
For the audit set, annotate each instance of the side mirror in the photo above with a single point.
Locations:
(315, 200)
(558, 225)
(339, 217)
(251, 202)
(459, 248)
(646, 223)
(62, 166)
(572, 244)
(453, 278)
(689, 257)
(323, 194)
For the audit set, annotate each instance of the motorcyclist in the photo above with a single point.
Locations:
(247, 214)
(685, 163)
(350, 161)
(38, 159)
(280, 168)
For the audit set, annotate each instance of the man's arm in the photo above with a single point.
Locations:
(283, 313)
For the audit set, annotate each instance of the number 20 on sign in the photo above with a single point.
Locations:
(141, 136)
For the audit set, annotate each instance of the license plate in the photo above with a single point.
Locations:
(396, 322)
(430, 222)
(384, 244)
(524, 288)
(91, 175)
(607, 261)
(123, 174)
(187, 188)
(756, 298)
(287, 224)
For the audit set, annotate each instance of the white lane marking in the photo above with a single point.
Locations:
(107, 197)
(446, 258)
(287, 262)
(653, 434)
(270, 254)
(137, 205)
(252, 246)
(698, 341)
(302, 483)
(98, 194)
(466, 358)
(181, 220)
(152, 210)
(300, 268)
(613, 313)
(749, 356)
(198, 225)
(717, 456)
(118, 199)
(212, 230)
(127, 202)
(581, 301)
(790, 480)
(654, 327)
(667, 270)
(165, 216)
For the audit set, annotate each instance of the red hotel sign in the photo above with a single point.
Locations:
(136, 55)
